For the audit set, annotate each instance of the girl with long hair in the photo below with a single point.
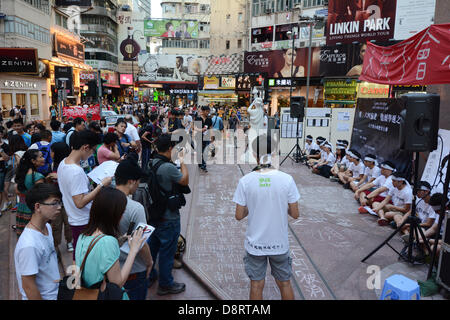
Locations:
(102, 264)
(26, 177)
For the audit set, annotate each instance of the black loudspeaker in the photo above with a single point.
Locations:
(298, 107)
(419, 125)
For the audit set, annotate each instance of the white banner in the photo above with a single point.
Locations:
(432, 173)
(412, 16)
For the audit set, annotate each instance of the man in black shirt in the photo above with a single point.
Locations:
(174, 121)
(148, 134)
(206, 125)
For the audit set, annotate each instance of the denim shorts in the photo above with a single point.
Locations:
(280, 265)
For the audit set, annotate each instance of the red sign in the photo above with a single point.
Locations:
(126, 79)
(420, 60)
(80, 111)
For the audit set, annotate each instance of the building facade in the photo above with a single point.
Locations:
(196, 10)
(229, 30)
(100, 27)
(26, 23)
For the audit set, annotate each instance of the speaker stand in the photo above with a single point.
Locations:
(298, 154)
(414, 229)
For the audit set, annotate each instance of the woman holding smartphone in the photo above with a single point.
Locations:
(102, 263)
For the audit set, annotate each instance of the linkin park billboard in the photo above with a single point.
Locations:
(358, 21)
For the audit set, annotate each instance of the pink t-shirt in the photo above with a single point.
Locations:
(103, 154)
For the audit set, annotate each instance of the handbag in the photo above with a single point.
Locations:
(103, 290)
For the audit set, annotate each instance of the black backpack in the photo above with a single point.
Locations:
(158, 197)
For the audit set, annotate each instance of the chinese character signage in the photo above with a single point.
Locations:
(420, 60)
(187, 29)
(281, 82)
(18, 60)
(363, 20)
(228, 82)
(68, 48)
(376, 130)
(210, 82)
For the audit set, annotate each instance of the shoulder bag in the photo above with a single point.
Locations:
(68, 288)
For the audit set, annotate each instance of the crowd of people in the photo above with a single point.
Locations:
(378, 187)
(48, 167)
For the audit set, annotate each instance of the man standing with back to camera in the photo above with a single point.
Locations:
(267, 196)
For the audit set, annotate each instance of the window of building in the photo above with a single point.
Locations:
(26, 29)
(239, 44)
(205, 8)
(227, 45)
(43, 5)
(240, 16)
(262, 34)
(21, 99)
(6, 104)
(204, 27)
(281, 32)
(168, 8)
(204, 44)
(34, 104)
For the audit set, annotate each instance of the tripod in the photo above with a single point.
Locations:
(414, 228)
(298, 154)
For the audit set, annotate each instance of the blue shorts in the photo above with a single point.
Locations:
(280, 265)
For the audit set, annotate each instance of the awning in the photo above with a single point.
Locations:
(66, 62)
(111, 85)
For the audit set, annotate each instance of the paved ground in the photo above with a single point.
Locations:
(327, 243)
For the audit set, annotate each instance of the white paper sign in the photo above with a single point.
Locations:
(105, 170)
(344, 116)
(148, 230)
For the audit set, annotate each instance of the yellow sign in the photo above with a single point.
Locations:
(210, 83)
(372, 90)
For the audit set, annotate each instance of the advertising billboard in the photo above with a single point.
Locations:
(350, 21)
(277, 63)
(18, 60)
(69, 49)
(215, 65)
(126, 79)
(186, 29)
(164, 67)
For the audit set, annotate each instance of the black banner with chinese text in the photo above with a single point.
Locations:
(376, 130)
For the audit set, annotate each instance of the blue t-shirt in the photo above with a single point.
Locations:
(27, 138)
(58, 136)
(216, 121)
(101, 258)
(126, 139)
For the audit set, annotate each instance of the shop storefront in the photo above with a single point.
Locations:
(24, 90)
(69, 52)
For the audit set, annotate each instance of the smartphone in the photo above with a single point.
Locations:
(131, 228)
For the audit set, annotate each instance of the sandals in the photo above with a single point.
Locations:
(383, 222)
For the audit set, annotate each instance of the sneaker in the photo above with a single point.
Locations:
(70, 247)
(177, 264)
(175, 288)
(362, 210)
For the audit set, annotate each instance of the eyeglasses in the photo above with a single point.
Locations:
(53, 204)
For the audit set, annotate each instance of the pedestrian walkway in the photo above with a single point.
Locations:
(327, 242)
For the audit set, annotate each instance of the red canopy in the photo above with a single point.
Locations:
(420, 60)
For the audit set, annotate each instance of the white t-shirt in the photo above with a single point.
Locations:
(381, 181)
(356, 170)
(266, 195)
(401, 197)
(323, 155)
(331, 159)
(310, 147)
(375, 172)
(35, 254)
(425, 211)
(132, 132)
(187, 121)
(73, 181)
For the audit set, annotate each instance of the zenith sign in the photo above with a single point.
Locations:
(420, 60)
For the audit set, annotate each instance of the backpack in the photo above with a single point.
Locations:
(12, 113)
(46, 168)
(157, 196)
